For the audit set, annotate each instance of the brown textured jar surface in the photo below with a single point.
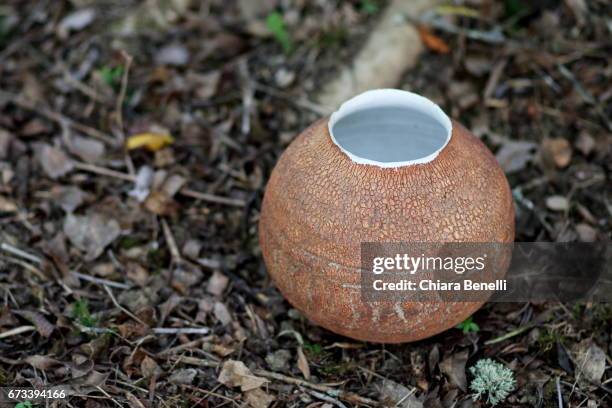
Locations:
(319, 206)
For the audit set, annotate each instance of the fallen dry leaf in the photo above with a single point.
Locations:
(514, 155)
(149, 141)
(183, 376)
(91, 233)
(432, 41)
(7, 206)
(43, 326)
(88, 149)
(454, 368)
(236, 374)
(557, 203)
(302, 363)
(258, 398)
(217, 283)
(42, 362)
(53, 161)
(590, 361)
(394, 394)
(557, 151)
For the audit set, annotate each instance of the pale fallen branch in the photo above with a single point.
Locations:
(20, 253)
(16, 331)
(101, 281)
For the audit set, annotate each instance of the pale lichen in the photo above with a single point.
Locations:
(493, 380)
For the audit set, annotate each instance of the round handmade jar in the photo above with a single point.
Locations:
(388, 166)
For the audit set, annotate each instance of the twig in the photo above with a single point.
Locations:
(27, 266)
(184, 346)
(101, 281)
(198, 362)
(212, 198)
(123, 309)
(325, 398)
(235, 202)
(247, 96)
(559, 396)
(302, 103)
(124, 79)
(174, 252)
(181, 330)
(509, 335)
(343, 395)
(16, 331)
(57, 117)
(18, 252)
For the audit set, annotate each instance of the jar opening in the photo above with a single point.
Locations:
(390, 128)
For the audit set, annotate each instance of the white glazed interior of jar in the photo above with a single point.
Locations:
(390, 128)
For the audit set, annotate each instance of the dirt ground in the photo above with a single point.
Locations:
(135, 144)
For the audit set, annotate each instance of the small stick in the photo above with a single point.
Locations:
(181, 347)
(18, 252)
(57, 117)
(16, 331)
(123, 309)
(124, 80)
(174, 252)
(344, 395)
(184, 191)
(181, 330)
(325, 398)
(235, 202)
(509, 335)
(101, 281)
(559, 396)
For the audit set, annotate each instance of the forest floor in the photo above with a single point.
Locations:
(135, 144)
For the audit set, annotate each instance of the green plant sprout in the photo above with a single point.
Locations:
(468, 326)
(276, 25)
(110, 76)
(368, 7)
(493, 379)
(80, 311)
(26, 404)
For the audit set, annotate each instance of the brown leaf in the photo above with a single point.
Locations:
(394, 394)
(158, 202)
(514, 155)
(454, 368)
(183, 376)
(258, 398)
(53, 161)
(432, 41)
(7, 206)
(302, 363)
(91, 233)
(6, 139)
(236, 374)
(90, 150)
(137, 273)
(590, 361)
(585, 143)
(42, 325)
(149, 367)
(557, 151)
(217, 283)
(42, 362)
(557, 203)
(586, 233)
(222, 313)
